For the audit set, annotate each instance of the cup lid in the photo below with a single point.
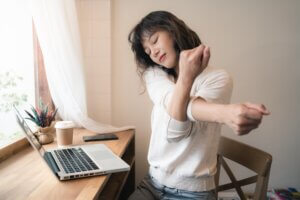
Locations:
(64, 124)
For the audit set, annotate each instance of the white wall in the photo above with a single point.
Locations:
(258, 42)
(95, 22)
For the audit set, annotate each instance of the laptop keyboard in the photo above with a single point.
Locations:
(75, 160)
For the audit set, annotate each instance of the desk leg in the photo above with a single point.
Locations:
(129, 186)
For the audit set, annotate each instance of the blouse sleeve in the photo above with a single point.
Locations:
(214, 86)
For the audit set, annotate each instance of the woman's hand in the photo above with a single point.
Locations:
(192, 62)
(243, 118)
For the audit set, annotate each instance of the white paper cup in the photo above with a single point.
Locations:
(64, 133)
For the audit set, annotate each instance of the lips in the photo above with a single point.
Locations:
(162, 58)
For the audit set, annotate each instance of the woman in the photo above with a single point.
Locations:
(190, 105)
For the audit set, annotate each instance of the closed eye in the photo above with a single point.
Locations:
(155, 40)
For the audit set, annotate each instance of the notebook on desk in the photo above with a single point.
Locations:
(75, 161)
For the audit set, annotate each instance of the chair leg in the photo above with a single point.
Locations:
(217, 175)
(261, 187)
(233, 180)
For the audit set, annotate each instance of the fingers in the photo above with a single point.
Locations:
(193, 61)
(252, 114)
(202, 53)
(244, 118)
(259, 107)
(245, 128)
(242, 130)
(245, 121)
(198, 52)
(244, 125)
(206, 57)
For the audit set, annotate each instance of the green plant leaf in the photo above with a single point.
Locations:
(34, 121)
(29, 114)
(37, 117)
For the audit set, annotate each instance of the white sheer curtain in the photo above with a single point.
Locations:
(56, 24)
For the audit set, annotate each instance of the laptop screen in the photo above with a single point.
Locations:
(29, 133)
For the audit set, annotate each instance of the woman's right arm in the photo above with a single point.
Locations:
(160, 88)
(176, 97)
(191, 63)
(173, 99)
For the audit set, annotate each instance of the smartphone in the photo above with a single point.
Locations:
(105, 136)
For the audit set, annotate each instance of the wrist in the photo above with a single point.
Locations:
(223, 116)
(218, 113)
(185, 81)
(179, 101)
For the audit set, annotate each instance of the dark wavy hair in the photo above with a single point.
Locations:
(183, 37)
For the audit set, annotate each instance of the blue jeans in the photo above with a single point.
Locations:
(173, 193)
(150, 189)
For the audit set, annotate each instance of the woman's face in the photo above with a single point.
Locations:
(160, 47)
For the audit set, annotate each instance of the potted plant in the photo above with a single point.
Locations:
(43, 118)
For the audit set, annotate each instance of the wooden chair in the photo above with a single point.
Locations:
(249, 157)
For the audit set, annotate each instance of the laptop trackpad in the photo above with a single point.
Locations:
(101, 155)
(105, 160)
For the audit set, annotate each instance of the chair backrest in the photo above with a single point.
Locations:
(249, 157)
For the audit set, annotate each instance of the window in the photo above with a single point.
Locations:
(16, 67)
(22, 74)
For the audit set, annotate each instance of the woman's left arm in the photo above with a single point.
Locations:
(211, 104)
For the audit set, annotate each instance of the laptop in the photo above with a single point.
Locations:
(75, 161)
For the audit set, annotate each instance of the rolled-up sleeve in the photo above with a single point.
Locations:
(178, 130)
(160, 88)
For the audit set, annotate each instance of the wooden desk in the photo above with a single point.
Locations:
(26, 176)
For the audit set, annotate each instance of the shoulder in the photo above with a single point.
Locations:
(213, 74)
(214, 85)
(153, 73)
(214, 71)
(155, 70)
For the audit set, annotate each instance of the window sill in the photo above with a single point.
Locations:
(13, 148)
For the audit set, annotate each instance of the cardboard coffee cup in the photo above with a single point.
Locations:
(64, 132)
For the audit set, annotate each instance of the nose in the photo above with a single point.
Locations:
(155, 52)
